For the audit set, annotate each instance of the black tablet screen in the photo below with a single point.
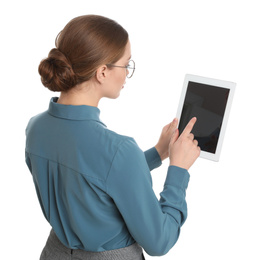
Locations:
(208, 104)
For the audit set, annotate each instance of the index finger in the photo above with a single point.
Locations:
(189, 126)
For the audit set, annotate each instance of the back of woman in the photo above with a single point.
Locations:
(93, 184)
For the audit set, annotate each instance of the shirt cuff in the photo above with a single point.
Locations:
(177, 177)
(153, 158)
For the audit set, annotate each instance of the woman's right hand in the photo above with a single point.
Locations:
(183, 149)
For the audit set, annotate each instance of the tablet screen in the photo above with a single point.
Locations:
(208, 104)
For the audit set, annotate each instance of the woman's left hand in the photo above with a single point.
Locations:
(162, 146)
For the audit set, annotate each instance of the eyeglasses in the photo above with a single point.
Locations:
(130, 68)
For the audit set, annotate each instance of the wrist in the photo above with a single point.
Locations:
(179, 165)
(158, 149)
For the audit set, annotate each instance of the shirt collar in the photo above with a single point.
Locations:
(71, 112)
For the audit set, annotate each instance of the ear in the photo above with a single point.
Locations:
(102, 73)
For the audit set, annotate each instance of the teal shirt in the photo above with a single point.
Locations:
(95, 187)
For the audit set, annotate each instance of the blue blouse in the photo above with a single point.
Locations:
(95, 187)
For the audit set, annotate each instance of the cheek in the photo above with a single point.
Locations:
(120, 79)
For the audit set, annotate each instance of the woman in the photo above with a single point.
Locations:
(94, 185)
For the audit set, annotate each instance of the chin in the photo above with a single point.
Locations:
(115, 96)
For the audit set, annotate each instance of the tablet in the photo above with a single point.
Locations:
(210, 101)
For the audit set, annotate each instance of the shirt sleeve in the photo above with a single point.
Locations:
(153, 158)
(155, 225)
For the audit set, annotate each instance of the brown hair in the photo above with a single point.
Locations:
(84, 44)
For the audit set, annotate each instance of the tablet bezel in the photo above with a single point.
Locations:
(216, 83)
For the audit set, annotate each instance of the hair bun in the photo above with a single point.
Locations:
(56, 72)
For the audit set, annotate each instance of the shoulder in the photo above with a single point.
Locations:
(34, 121)
(124, 144)
(115, 139)
(122, 149)
(129, 168)
(127, 153)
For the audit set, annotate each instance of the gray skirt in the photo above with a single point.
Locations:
(55, 250)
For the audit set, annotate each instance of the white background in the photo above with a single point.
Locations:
(218, 39)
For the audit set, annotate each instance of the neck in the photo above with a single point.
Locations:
(83, 94)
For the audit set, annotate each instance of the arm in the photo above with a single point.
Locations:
(153, 158)
(155, 225)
